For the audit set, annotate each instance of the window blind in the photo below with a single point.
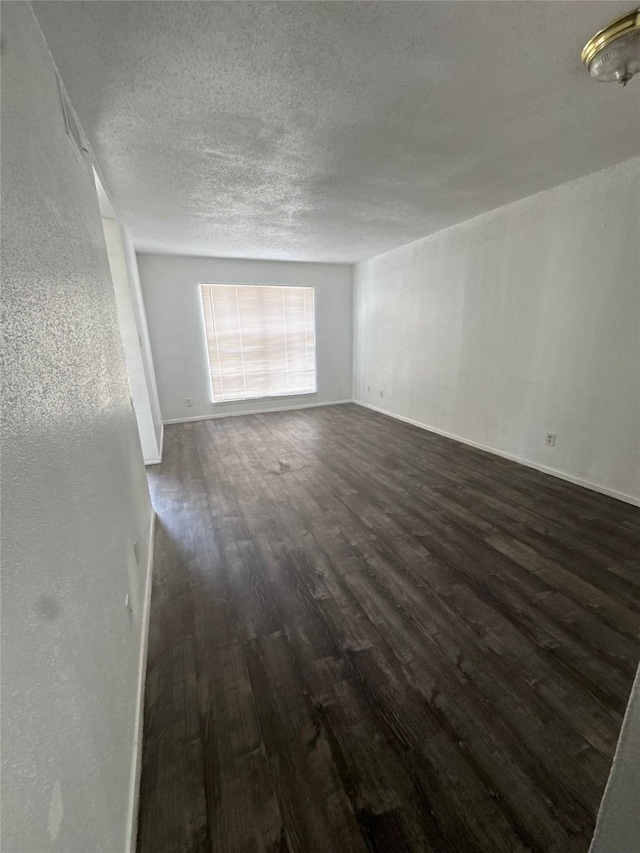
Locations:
(260, 340)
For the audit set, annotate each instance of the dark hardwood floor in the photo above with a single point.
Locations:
(368, 637)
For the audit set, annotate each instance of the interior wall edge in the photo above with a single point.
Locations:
(136, 764)
(130, 335)
(487, 217)
(157, 459)
(545, 469)
(143, 331)
(618, 821)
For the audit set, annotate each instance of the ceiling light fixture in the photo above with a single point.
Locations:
(613, 54)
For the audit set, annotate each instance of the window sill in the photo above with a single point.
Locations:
(216, 403)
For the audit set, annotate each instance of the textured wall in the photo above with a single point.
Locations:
(74, 488)
(520, 322)
(170, 286)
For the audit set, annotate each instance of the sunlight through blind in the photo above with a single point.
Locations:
(260, 340)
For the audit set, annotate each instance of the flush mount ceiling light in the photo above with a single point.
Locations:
(613, 54)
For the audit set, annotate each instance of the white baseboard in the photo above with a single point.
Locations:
(256, 412)
(554, 472)
(136, 766)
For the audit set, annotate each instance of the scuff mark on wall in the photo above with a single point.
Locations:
(56, 811)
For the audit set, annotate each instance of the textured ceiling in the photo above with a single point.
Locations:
(332, 131)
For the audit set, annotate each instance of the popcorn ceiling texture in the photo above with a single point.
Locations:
(332, 131)
(74, 490)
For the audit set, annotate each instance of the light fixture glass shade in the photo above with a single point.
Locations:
(613, 54)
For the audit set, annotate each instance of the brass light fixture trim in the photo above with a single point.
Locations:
(613, 54)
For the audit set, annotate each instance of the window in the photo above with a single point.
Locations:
(260, 340)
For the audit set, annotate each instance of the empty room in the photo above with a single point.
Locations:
(321, 427)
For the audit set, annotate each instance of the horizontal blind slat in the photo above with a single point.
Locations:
(260, 340)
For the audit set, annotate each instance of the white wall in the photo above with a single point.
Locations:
(135, 290)
(74, 487)
(523, 321)
(142, 383)
(170, 286)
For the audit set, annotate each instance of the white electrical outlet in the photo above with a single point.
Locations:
(189, 401)
(381, 393)
(368, 389)
(550, 439)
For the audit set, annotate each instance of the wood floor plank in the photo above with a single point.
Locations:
(456, 562)
(317, 812)
(173, 815)
(368, 637)
(242, 807)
